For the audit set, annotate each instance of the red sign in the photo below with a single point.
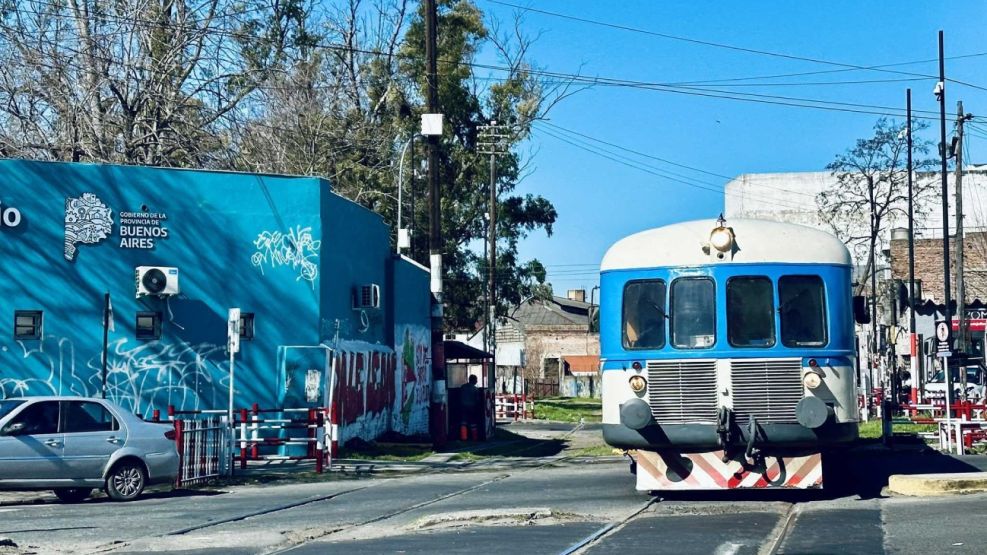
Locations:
(973, 324)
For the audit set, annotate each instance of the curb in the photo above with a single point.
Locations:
(920, 485)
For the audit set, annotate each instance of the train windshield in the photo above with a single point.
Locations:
(644, 314)
(803, 311)
(693, 314)
(750, 312)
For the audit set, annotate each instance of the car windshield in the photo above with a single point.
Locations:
(7, 406)
(973, 375)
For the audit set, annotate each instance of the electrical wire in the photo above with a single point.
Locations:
(700, 42)
(656, 172)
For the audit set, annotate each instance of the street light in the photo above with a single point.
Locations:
(403, 236)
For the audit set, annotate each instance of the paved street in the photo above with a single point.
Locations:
(514, 505)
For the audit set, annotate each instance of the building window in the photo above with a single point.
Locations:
(27, 324)
(149, 325)
(247, 325)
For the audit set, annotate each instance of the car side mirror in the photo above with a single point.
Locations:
(13, 429)
(860, 314)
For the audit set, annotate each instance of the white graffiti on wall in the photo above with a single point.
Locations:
(296, 249)
(87, 221)
(139, 375)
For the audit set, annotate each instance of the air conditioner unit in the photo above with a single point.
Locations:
(366, 296)
(159, 281)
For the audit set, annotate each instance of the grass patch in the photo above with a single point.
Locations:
(563, 409)
(400, 452)
(872, 429)
(596, 451)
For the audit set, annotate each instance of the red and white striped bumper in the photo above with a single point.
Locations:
(707, 471)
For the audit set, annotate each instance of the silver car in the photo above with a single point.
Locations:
(73, 445)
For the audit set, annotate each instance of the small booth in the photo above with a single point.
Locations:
(471, 411)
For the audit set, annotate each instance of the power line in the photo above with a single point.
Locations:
(825, 71)
(702, 42)
(723, 45)
(653, 171)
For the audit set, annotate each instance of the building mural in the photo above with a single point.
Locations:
(224, 231)
(414, 381)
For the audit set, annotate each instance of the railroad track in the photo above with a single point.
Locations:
(329, 533)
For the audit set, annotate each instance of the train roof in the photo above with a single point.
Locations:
(757, 241)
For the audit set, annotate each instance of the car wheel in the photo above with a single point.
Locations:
(73, 495)
(126, 481)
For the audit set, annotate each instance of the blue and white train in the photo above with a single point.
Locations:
(728, 355)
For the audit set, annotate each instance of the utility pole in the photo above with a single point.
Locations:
(492, 141)
(912, 339)
(962, 343)
(947, 314)
(432, 128)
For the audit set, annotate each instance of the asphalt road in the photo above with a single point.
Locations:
(543, 506)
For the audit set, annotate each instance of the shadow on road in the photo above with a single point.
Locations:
(864, 470)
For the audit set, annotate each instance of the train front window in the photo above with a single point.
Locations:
(803, 311)
(750, 312)
(693, 314)
(644, 314)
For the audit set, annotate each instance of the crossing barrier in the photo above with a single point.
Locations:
(513, 406)
(255, 431)
(208, 445)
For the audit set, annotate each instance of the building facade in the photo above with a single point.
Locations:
(329, 313)
(533, 344)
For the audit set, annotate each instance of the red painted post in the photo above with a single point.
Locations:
(180, 445)
(171, 412)
(254, 449)
(243, 439)
(156, 415)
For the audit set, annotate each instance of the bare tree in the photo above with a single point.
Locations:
(870, 193)
(135, 81)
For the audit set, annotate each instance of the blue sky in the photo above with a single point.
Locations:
(600, 200)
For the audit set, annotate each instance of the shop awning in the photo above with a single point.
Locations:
(457, 350)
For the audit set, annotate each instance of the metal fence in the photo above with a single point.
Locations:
(203, 449)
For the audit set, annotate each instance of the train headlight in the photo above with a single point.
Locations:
(812, 380)
(721, 238)
(638, 383)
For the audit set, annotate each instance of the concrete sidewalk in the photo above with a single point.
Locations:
(951, 483)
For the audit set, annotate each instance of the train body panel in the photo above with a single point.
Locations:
(731, 339)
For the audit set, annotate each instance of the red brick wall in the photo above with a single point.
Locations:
(928, 265)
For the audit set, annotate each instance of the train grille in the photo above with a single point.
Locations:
(768, 389)
(682, 391)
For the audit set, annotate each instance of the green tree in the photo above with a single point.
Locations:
(516, 101)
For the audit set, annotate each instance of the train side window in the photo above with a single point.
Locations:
(803, 311)
(750, 312)
(693, 313)
(644, 314)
